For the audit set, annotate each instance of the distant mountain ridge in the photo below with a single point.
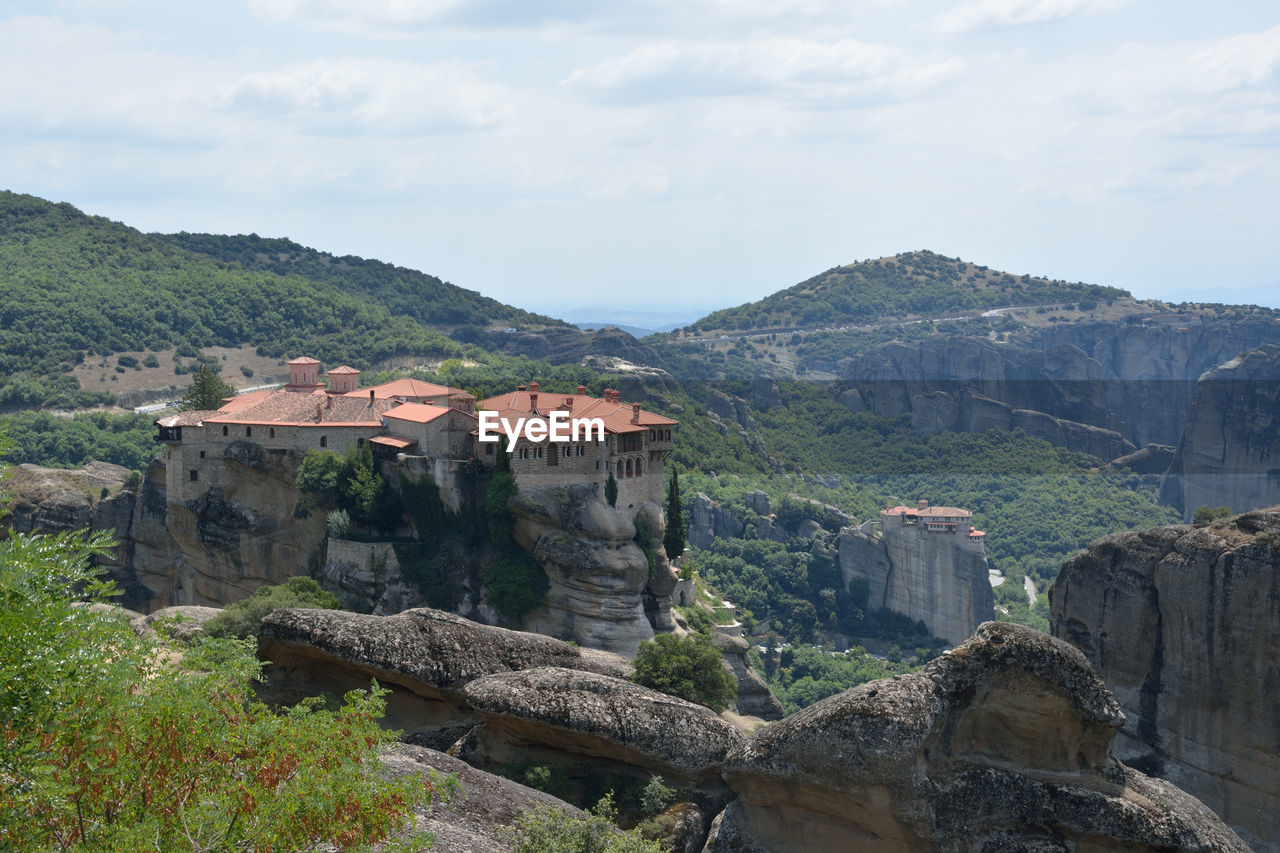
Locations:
(912, 284)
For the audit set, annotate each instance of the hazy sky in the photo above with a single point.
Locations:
(670, 152)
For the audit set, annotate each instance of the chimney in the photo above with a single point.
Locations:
(922, 504)
(328, 402)
(582, 389)
(520, 388)
(533, 386)
(568, 404)
(635, 413)
(533, 396)
(319, 411)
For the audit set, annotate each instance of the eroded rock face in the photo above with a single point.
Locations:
(754, 697)
(1229, 453)
(427, 654)
(923, 576)
(472, 821)
(587, 714)
(1004, 743)
(1182, 624)
(599, 575)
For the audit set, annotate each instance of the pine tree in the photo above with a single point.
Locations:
(673, 540)
(206, 391)
(611, 490)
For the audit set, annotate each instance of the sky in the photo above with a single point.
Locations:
(670, 154)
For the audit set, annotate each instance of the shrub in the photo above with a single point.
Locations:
(139, 749)
(337, 524)
(242, 618)
(547, 829)
(688, 667)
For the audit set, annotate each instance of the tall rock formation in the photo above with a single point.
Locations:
(937, 576)
(1229, 454)
(1183, 624)
(600, 575)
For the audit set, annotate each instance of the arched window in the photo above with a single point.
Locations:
(619, 469)
(324, 441)
(628, 467)
(248, 432)
(272, 432)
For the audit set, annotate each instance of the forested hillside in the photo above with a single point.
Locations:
(432, 302)
(73, 287)
(913, 284)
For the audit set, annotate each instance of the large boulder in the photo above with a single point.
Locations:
(585, 714)
(1003, 744)
(1182, 624)
(425, 654)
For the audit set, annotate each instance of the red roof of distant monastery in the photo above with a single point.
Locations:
(404, 388)
(286, 408)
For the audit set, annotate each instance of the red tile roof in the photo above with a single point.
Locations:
(303, 360)
(404, 388)
(616, 416)
(395, 441)
(344, 370)
(421, 413)
(285, 408)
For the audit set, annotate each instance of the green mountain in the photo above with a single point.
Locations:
(74, 287)
(910, 285)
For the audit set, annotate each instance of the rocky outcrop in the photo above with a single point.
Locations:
(584, 714)
(473, 820)
(1182, 624)
(1229, 453)
(755, 699)
(1133, 381)
(709, 521)
(1152, 459)
(56, 500)
(922, 575)
(183, 622)
(425, 654)
(599, 574)
(233, 538)
(1003, 744)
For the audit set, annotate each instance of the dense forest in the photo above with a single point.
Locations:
(911, 284)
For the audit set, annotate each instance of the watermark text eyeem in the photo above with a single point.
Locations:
(557, 426)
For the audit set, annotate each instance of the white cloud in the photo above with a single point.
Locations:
(358, 96)
(992, 14)
(843, 70)
(1250, 60)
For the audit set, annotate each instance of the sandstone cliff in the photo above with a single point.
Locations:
(599, 573)
(1229, 454)
(925, 576)
(1101, 388)
(1004, 744)
(1182, 624)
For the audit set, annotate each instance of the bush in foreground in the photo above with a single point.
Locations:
(116, 742)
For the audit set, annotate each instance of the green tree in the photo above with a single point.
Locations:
(673, 540)
(206, 391)
(515, 581)
(611, 490)
(113, 742)
(241, 618)
(688, 667)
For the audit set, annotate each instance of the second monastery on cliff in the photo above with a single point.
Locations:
(408, 418)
